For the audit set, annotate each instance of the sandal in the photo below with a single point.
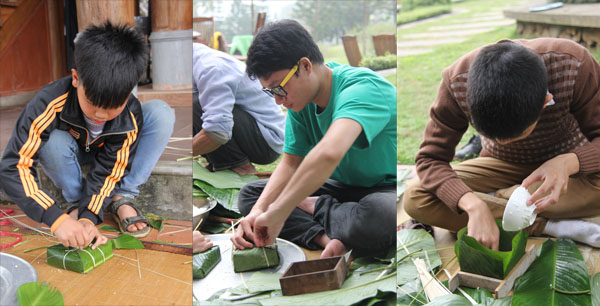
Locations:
(114, 207)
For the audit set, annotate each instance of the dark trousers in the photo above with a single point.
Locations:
(364, 219)
(247, 143)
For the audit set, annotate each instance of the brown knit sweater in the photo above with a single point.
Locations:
(571, 125)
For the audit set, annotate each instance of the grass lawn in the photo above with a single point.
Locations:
(422, 13)
(420, 75)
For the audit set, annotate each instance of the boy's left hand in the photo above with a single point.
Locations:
(555, 176)
(92, 232)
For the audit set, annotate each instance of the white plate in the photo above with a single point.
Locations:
(222, 276)
(14, 271)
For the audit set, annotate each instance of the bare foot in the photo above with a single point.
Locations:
(334, 248)
(126, 211)
(308, 205)
(245, 169)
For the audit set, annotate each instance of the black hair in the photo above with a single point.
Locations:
(506, 90)
(109, 60)
(280, 45)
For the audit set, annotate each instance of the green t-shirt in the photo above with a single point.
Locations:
(367, 98)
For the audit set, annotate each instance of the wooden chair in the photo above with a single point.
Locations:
(384, 43)
(352, 50)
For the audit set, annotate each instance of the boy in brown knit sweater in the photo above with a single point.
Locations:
(536, 104)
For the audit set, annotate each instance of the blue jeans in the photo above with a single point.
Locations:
(61, 157)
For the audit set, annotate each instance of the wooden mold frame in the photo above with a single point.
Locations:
(499, 287)
(314, 275)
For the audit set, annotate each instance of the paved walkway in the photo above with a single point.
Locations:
(453, 32)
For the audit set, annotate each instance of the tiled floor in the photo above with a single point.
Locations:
(179, 146)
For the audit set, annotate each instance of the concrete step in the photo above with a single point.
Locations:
(167, 193)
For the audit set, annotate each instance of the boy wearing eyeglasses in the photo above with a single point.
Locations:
(235, 123)
(335, 187)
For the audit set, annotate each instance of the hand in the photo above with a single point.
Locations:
(200, 243)
(245, 231)
(92, 233)
(555, 174)
(481, 225)
(72, 234)
(267, 227)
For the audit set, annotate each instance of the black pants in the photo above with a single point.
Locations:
(364, 219)
(247, 143)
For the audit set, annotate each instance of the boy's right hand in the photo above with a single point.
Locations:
(245, 231)
(481, 225)
(72, 233)
(92, 233)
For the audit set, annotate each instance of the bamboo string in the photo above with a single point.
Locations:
(67, 252)
(138, 264)
(16, 216)
(158, 273)
(35, 258)
(173, 232)
(25, 225)
(177, 149)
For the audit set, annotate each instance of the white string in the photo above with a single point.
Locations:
(65, 257)
(103, 257)
(93, 260)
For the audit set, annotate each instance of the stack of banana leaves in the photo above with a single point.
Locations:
(85, 260)
(223, 186)
(370, 281)
(205, 261)
(557, 277)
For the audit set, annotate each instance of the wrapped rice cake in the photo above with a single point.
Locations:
(255, 258)
(76, 260)
(205, 261)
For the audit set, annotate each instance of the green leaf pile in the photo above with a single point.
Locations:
(223, 186)
(475, 258)
(557, 277)
(33, 294)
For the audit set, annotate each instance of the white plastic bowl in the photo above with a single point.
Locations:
(517, 215)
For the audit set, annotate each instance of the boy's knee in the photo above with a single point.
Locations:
(161, 112)
(58, 143)
(410, 199)
(375, 218)
(248, 196)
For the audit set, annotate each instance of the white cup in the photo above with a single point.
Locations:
(517, 215)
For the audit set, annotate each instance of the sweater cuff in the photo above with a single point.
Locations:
(589, 159)
(51, 215)
(451, 191)
(58, 222)
(89, 215)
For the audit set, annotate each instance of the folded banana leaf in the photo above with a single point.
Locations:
(475, 258)
(255, 258)
(205, 261)
(81, 261)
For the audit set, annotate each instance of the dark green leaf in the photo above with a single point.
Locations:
(155, 221)
(215, 227)
(109, 228)
(128, 242)
(255, 258)
(450, 300)
(558, 270)
(205, 261)
(225, 197)
(33, 294)
(475, 258)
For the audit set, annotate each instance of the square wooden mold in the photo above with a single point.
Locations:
(314, 275)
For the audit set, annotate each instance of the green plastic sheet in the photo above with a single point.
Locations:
(205, 261)
(255, 258)
(81, 261)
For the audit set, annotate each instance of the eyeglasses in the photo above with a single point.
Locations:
(279, 89)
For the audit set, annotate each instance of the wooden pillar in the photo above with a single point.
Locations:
(171, 15)
(57, 40)
(96, 12)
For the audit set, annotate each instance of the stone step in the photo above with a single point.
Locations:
(408, 52)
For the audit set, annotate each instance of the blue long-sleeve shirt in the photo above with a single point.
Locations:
(220, 81)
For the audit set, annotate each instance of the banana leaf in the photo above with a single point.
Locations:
(557, 277)
(420, 244)
(595, 285)
(198, 193)
(475, 258)
(484, 297)
(255, 258)
(260, 282)
(411, 293)
(109, 228)
(205, 261)
(155, 222)
(126, 242)
(222, 179)
(227, 199)
(81, 261)
(214, 227)
(33, 294)
(450, 300)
